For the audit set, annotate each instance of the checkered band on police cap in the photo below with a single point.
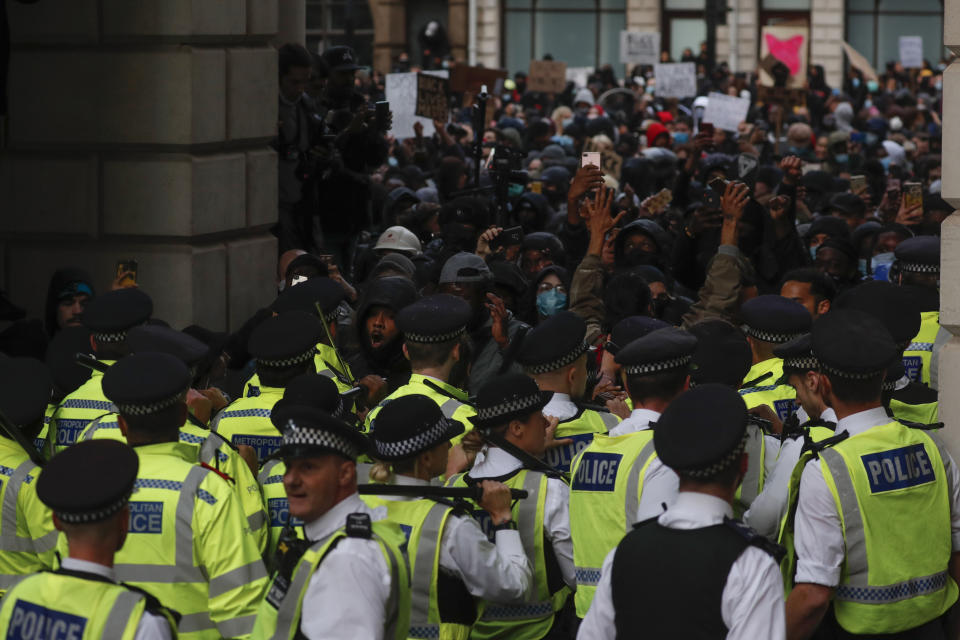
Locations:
(888, 385)
(423, 338)
(320, 438)
(720, 465)
(852, 375)
(111, 337)
(151, 408)
(412, 446)
(511, 406)
(769, 336)
(95, 516)
(919, 267)
(560, 362)
(807, 362)
(654, 367)
(289, 362)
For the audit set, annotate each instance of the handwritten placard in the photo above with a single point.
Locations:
(432, 100)
(676, 79)
(911, 52)
(639, 47)
(401, 92)
(726, 112)
(547, 76)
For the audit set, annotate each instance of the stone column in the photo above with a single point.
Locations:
(389, 32)
(643, 15)
(488, 33)
(949, 373)
(291, 20)
(826, 38)
(457, 29)
(139, 130)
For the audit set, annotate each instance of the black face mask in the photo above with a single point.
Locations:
(640, 258)
(458, 237)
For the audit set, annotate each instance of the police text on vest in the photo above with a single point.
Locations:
(898, 468)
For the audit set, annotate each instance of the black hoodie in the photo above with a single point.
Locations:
(395, 293)
(61, 279)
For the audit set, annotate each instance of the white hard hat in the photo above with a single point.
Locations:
(399, 239)
(700, 101)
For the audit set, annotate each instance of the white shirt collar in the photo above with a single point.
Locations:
(406, 481)
(863, 420)
(560, 406)
(325, 525)
(692, 510)
(494, 462)
(73, 564)
(829, 415)
(901, 383)
(639, 420)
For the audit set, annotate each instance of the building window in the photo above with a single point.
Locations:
(874, 28)
(582, 33)
(328, 22)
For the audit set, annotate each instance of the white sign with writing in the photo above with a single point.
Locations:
(637, 47)
(726, 112)
(911, 52)
(401, 90)
(676, 79)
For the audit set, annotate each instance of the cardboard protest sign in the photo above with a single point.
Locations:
(432, 100)
(464, 78)
(547, 76)
(611, 164)
(676, 80)
(639, 47)
(401, 92)
(911, 52)
(789, 45)
(578, 75)
(858, 61)
(726, 112)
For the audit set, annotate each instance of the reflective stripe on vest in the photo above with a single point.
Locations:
(752, 483)
(450, 407)
(9, 540)
(120, 614)
(424, 566)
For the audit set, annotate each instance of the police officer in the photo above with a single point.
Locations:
(897, 309)
(510, 418)
(412, 439)
(768, 321)
(554, 354)
(618, 479)
(212, 451)
(87, 487)
(622, 334)
(284, 348)
(351, 580)
(800, 371)
(879, 484)
(917, 268)
(737, 591)
(27, 537)
(435, 342)
(307, 390)
(189, 543)
(306, 297)
(67, 373)
(108, 317)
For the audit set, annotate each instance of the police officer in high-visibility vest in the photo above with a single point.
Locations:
(622, 334)
(877, 525)
(305, 297)
(435, 341)
(452, 561)
(87, 487)
(189, 543)
(618, 479)
(898, 310)
(350, 578)
(284, 348)
(27, 537)
(212, 451)
(693, 572)
(768, 321)
(67, 373)
(108, 317)
(510, 411)
(917, 269)
(555, 355)
(800, 371)
(310, 390)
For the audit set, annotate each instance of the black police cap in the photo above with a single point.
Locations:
(25, 386)
(310, 390)
(306, 295)
(773, 318)
(145, 383)
(892, 376)
(408, 426)
(286, 340)
(154, 338)
(554, 343)
(797, 355)
(631, 328)
(919, 255)
(437, 318)
(506, 398)
(722, 355)
(888, 303)
(90, 481)
(109, 316)
(661, 350)
(852, 344)
(702, 432)
(310, 432)
(67, 373)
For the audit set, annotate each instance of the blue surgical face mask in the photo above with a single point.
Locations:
(842, 158)
(813, 252)
(551, 302)
(681, 137)
(881, 264)
(938, 85)
(871, 139)
(855, 82)
(514, 190)
(650, 89)
(872, 86)
(867, 104)
(886, 164)
(862, 266)
(392, 161)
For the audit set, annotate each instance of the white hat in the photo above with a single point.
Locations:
(700, 101)
(896, 123)
(399, 239)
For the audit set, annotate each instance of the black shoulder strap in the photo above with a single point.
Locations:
(753, 383)
(754, 539)
(920, 425)
(646, 522)
(358, 526)
(433, 385)
(817, 447)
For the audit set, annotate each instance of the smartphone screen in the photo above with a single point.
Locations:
(719, 185)
(858, 184)
(913, 194)
(127, 273)
(590, 157)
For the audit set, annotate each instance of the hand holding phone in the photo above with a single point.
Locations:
(126, 274)
(591, 158)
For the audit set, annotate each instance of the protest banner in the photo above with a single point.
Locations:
(789, 45)
(432, 97)
(547, 76)
(859, 62)
(726, 112)
(401, 92)
(639, 47)
(911, 52)
(676, 80)
(464, 78)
